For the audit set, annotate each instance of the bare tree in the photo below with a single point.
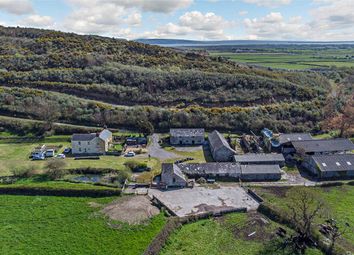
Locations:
(304, 206)
(334, 230)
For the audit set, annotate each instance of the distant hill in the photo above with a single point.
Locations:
(182, 42)
(134, 83)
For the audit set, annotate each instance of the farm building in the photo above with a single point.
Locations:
(220, 148)
(187, 136)
(285, 141)
(215, 170)
(332, 166)
(228, 171)
(91, 144)
(172, 177)
(323, 146)
(260, 172)
(260, 159)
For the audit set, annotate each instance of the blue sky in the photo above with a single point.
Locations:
(321, 20)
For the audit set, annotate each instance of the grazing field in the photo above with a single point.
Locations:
(62, 225)
(340, 201)
(228, 235)
(299, 60)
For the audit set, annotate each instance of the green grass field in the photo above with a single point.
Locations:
(226, 235)
(299, 60)
(62, 225)
(14, 154)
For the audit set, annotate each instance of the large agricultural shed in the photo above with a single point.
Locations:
(332, 166)
(260, 159)
(323, 146)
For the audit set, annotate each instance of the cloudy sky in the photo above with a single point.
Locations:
(188, 19)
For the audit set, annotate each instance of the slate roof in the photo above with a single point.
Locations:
(212, 168)
(169, 169)
(217, 140)
(324, 145)
(259, 157)
(105, 134)
(284, 138)
(336, 162)
(83, 137)
(260, 169)
(184, 132)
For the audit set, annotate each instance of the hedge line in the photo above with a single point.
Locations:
(65, 192)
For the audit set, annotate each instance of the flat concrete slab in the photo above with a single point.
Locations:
(184, 202)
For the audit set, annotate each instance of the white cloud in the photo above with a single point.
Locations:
(268, 3)
(273, 26)
(17, 7)
(242, 13)
(193, 24)
(37, 21)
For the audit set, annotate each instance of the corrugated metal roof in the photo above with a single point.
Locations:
(336, 162)
(324, 145)
(259, 157)
(212, 168)
(284, 138)
(187, 132)
(105, 134)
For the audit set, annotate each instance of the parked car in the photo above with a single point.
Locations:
(60, 156)
(130, 154)
(67, 150)
(49, 153)
(38, 156)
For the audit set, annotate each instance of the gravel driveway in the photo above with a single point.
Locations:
(156, 151)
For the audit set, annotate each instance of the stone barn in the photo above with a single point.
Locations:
(220, 148)
(260, 172)
(172, 177)
(187, 136)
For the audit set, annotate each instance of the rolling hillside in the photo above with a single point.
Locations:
(97, 80)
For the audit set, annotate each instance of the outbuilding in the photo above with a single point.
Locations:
(172, 177)
(260, 159)
(187, 136)
(260, 172)
(337, 166)
(220, 148)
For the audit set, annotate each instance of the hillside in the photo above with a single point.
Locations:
(176, 88)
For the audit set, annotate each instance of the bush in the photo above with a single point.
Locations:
(23, 172)
(55, 168)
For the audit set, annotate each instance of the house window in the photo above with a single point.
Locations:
(88, 143)
(79, 143)
(80, 149)
(174, 180)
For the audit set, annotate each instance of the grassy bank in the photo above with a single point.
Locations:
(62, 225)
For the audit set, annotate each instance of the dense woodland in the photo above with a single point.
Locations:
(69, 78)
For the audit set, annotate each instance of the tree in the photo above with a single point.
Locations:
(304, 205)
(55, 168)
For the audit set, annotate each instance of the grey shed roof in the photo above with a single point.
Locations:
(187, 132)
(284, 138)
(169, 169)
(212, 168)
(259, 157)
(83, 137)
(217, 140)
(336, 162)
(260, 169)
(324, 145)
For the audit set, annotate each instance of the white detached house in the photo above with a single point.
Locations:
(91, 144)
